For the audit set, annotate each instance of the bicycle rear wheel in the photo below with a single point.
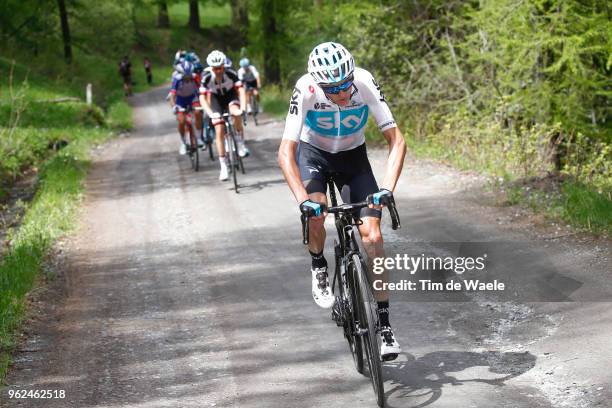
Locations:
(369, 321)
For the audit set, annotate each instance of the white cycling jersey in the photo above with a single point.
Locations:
(316, 120)
(248, 75)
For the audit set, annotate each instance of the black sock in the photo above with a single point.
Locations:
(383, 313)
(318, 260)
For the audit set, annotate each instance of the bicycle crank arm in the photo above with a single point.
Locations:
(360, 332)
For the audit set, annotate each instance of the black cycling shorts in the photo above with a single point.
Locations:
(248, 85)
(220, 103)
(350, 169)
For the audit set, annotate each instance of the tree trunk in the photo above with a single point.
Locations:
(65, 31)
(194, 15)
(271, 61)
(240, 16)
(163, 21)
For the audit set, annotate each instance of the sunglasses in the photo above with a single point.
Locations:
(336, 89)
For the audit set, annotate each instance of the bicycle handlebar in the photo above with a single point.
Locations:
(387, 201)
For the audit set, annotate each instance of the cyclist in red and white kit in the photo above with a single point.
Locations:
(222, 87)
(328, 111)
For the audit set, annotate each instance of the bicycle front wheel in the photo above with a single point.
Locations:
(193, 151)
(368, 320)
(254, 108)
(233, 154)
(210, 131)
(351, 326)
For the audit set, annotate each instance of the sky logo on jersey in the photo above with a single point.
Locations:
(330, 125)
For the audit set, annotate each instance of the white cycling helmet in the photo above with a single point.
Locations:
(216, 59)
(330, 63)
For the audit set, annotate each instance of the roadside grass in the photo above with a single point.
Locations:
(51, 214)
(575, 203)
(53, 140)
(119, 116)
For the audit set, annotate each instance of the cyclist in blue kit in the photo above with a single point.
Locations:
(184, 97)
(328, 111)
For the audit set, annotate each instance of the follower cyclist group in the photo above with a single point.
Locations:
(323, 137)
(215, 89)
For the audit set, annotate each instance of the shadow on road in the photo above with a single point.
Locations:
(419, 382)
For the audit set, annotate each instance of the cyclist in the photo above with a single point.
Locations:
(183, 96)
(148, 72)
(125, 70)
(327, 115)
(250, 78)
(220, 91)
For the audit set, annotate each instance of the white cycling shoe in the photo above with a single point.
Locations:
(321, 291)
(389, 347)
(243, 151)
(183, 149)
(223, 173)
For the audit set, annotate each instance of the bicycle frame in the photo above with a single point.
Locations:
(235, 161)
(193, 144)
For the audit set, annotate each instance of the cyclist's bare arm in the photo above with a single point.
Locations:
(205, 105)
(172, 99)
(287, 153)
(395, 160)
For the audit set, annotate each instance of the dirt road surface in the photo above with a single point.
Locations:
(177, 292)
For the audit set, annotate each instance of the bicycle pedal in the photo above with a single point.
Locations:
(389, 357)
(337, 314)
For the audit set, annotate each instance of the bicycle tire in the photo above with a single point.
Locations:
(254, 109)
(350, 327)
(367, 306)
(194, 151)
(233, 153)
(241, 164)
(209, 142)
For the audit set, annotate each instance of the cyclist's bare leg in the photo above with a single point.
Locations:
(180, 116)
(220, 139)
(198, 120)
(316, 237)
(237, 114)
(372, 240)
(248, 95)
(256, 93)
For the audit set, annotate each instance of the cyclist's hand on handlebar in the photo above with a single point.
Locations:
(311, 208)
(380, 199)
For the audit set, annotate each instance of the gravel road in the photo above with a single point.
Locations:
(177, 292)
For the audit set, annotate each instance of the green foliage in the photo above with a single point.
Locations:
(211, 14)
(109, 23)
(274, 101)
(514, 89)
